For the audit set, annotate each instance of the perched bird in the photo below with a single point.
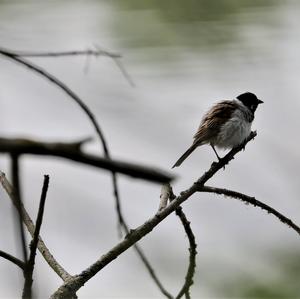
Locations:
(226, 125)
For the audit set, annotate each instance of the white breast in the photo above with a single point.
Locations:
(235, 130)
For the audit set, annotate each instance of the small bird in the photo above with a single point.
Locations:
(226, 125)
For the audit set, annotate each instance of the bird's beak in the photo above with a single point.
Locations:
(260, 101)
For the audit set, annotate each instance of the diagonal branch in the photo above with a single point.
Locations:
(52, 262)
(151, 271)
(251, 200)
(124, 72)
(69, 288)
(33, 246)
(12, 259)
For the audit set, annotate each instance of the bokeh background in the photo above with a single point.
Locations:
(183, 56)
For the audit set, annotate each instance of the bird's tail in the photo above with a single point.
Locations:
(185, 155)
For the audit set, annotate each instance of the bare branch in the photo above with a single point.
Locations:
(88, 52)
(193, 252)
(144, 259)
(120, 65)
(15, 171)
(216, 166)
(33, 246)
(166, 194)
(123, 71)
(69, 288)
(152, 272)
(70, 151)
(52, 262)
(142, 256)
(12, 259)
(11, 55)
(251, 200)
(58, 83)
(192, 259)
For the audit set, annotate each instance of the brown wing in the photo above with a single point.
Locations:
(213, 121)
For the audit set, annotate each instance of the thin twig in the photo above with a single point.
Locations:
(69, 288)
(88, 53)
(27, 293)
(188, 282)
(192, 258)
(124, 71)
(165, 195)
(15, 173)
(119, 64)
(148, 266)
(144, 259)
(12, 259)
(49, 54)
(73, 152)
(69, 92)
(251, 200)
(52, 262)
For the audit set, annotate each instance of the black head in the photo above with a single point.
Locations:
(249, 100)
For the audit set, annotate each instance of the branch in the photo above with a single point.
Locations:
(72, 152)
(165, 195)
(193, 252)
(69, 288)
(58, 83)
(144, 259)
(33, 246)
(15, 172)
(12, 259)
(13, 56)
(52, 262)
(254, 202)
(89, 52)
(123, 71)
(151, 271)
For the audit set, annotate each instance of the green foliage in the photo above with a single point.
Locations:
(153, 23)
(282, 281)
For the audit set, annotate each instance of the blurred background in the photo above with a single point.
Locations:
(183, 56)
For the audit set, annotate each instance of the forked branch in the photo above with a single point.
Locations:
(16, 56)
(69, 288)
(52, 262)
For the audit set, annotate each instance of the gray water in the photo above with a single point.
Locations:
(183, 56)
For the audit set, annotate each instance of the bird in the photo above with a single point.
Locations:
(225, 125)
